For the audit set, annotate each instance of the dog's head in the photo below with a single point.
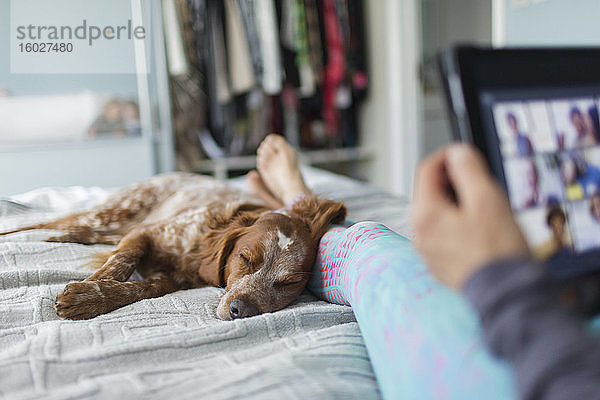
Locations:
(264, 258)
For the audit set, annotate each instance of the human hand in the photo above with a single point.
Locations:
(461, 216)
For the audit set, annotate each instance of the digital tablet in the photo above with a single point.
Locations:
(534, 114)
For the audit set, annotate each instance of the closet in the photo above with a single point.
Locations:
(240, 69)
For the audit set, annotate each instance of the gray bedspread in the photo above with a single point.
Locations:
(173, 346)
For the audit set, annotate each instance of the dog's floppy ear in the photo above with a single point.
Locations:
(319, 214)
(225, 228)
(244, 214)
(217, 245)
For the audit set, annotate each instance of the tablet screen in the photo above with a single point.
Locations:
(533, 113)
(550, 148)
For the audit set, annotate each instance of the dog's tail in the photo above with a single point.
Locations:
(65, 223)
(27, 228)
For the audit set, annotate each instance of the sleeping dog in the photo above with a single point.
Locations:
(182, 231)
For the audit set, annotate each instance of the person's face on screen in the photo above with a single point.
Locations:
(568, 171)
(595, 207)
(512, 123)
(578, 122)
(557, 224)
(532, 176)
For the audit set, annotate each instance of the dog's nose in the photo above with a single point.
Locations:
(240, 308)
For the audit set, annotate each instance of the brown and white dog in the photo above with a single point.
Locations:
(184, 231)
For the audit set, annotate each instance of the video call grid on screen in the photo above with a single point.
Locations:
(550, 148)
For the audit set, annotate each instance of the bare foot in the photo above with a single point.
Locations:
(258, 187)
(277, 164)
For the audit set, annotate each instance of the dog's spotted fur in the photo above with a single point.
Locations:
(184, 231)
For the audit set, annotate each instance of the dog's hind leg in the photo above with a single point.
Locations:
(66, 223)
(118, 214)
(77, 232)
(121, 211)
(95, 226)
(87, 236)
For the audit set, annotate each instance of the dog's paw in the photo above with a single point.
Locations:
(80, 300)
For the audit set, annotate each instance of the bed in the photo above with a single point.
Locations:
(173, 346)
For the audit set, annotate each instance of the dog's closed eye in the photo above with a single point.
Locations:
(246, 259)
(289, 280)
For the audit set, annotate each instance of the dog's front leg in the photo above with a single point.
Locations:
(97, 294)
(88, 299)
(125, 259)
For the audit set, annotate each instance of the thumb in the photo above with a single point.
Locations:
(469, 175)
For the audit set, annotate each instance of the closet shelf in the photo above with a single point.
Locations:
(219, 167)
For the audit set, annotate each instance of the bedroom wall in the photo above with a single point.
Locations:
(373, 116)
(443, 24)
(389, 123)
(400, 122)
(501, 22)
(551, 22)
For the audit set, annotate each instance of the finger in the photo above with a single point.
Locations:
(431, 184)
(468, 173)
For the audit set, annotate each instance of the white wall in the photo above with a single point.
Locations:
(550, 22)
(389, 122)
(374, 129)
(446, 23)
(396, 121)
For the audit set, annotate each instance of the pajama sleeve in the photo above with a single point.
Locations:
(552, 353)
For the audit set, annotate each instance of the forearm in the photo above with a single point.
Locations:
(553, 355)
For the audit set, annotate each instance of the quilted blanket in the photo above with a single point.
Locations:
(173, 346)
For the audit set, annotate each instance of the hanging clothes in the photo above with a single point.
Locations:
(216, 19)
(241, 72)
(287, 35)
(247, 13)
(244, 68)
(313, 35)
(264, 11)
(176, 57)
(356, 55)
(334, 70)
(307, 81)
(188, 97)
